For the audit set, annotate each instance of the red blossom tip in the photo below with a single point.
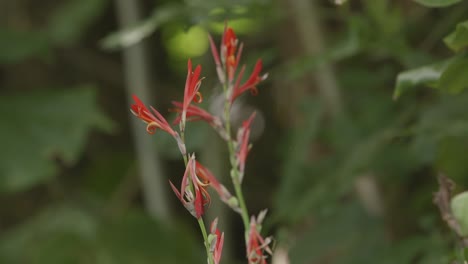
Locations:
(153, 119)
(254, 79)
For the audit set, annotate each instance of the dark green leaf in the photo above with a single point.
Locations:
(38, 129)
(459, 206)
(437, 3)
(71, 19)
(454, 79)
(67, 234)
(136, 238)
(19, 45)
(458, 39)
(58, 235)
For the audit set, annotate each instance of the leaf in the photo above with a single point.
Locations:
(37, 129)
(131, 36)
(459, 206)
(437, 3)
(60, 234)
(68, 234)
(454, 79)
(458, 39)
(18, 45)
(426, 75)
(136, 238)
(70, 21)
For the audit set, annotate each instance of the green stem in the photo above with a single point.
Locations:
(200, 220)
(235, 176)
(205, 238)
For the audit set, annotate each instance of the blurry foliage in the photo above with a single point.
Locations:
(448, 75)
(65, 25)
(40, 129)
(68, 234)
(437, 3)
(376, 45)
(393, 142)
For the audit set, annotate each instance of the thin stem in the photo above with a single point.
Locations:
(205, 238)
(182, 137)
(199, 220)
(235, 170)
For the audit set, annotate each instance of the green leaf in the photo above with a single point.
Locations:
(426, 75)
(71, 19)
(60, 234)
(137, 33)
(38, 129)
(18, 45)
(451, 155)
(437, 3)
(458, 39)
(69, 234)
(136, 238)
(454, 79)
(459, 206)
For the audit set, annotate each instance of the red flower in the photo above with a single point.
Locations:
(208, 177)
(250, 84)
(243, 144)
(193, 113)
(229, 58)
(192, 85)
(217, 247)
(228, 52)
(256, 244)
(194, 203)
(154, 121)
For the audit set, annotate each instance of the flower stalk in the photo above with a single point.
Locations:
(193, 193)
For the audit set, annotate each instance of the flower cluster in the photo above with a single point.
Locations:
(228, 64)
(193, 192)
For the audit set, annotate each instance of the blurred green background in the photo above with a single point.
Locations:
(346, 169)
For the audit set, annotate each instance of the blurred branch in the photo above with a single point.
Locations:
(311, 37)
(442, 200)
(138, 82)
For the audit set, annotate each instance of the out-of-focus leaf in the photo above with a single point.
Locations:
(133, 35)
(66, 25)
(71, 19)
(437, 3)
(58, 235)
(451, 156)
(177, 46)
(67, 234)
(458, 40)
(350, 236)
(454, 79)
(17, 45)
(135, 238)
(37, 129)
(106, 172)
(459, 206)
(425, 75)
(439, 122)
